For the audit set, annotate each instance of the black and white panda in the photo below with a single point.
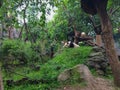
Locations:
(70, 44)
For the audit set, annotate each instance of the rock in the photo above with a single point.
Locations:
(96, 54)
(98, 60)
(97, 66)
(100, 72)
(64, 75)
(82, 72)
(98, 49)
(91, 64)
(104, 65)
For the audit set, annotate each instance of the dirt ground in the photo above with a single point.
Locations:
(94, 84)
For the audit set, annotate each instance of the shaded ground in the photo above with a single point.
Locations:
(96, 84)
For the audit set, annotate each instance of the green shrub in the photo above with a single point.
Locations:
(15, 52)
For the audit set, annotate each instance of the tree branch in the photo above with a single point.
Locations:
(112, 11)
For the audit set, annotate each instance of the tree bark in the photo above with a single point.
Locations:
(0, 32)
(10, 32)
(1, 82)
(99, 40)
(109, 43)
(1, 2)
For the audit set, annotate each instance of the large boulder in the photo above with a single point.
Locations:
(81, 73)
(65, 75)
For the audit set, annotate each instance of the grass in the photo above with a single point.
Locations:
(50, 70)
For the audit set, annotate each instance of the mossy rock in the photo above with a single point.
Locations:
(77, 74)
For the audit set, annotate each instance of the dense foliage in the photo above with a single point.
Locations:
(35, 34)
(49, 71)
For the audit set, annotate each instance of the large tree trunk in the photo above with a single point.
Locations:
(1, 2)
(1, 82)
(10, 32)
(99, 40)
(109, 43)
(0, 32)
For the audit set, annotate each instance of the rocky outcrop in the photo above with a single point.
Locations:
(84, 74)
(80, 72)
(98, 60)
(65, 75)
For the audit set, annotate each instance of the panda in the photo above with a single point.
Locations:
(70, 44)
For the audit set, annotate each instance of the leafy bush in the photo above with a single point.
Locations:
(15, 52)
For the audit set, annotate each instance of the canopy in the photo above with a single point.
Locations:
(90, 6)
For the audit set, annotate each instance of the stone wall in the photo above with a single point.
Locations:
(97, 60)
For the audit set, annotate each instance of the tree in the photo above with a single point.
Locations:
(98, 31)
(1, 2)
(99, 6)
(67, 16)
(1, 81)
(113, 10)
(22, 14)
